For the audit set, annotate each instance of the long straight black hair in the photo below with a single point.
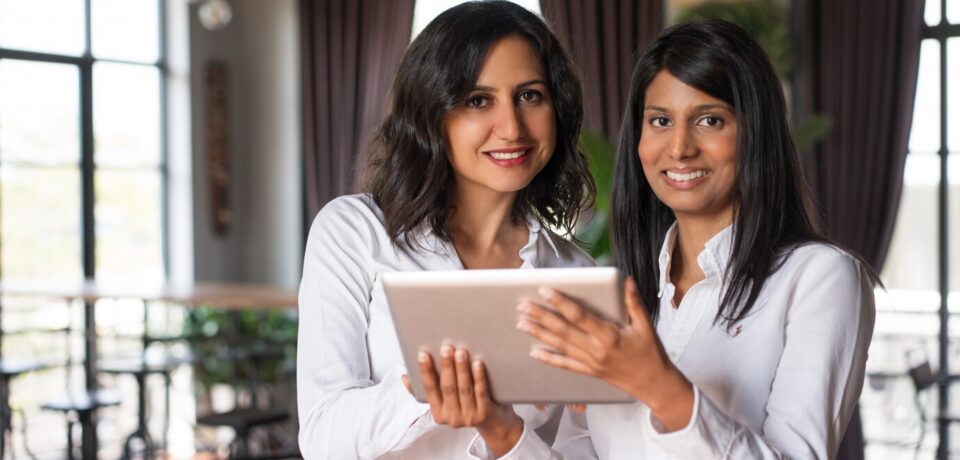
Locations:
(409, 173)
(773, 213)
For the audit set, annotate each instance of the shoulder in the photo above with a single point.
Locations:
(568, 253)
(818, 256)
(349, 217)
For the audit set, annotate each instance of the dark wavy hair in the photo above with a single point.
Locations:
(774, 212)
(409, 174)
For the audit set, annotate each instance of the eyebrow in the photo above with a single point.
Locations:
(699, 108)
(518, 86)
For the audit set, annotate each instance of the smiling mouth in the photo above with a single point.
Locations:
(508, 155)
(686, 177)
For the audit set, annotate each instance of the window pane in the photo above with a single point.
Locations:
(953, 175)
(125, 30)
(49, 26)
(129, 227)
(126, 118)
(953, 94)
(911, 263)
(39, 112)
(931, 14)
(953, 10)
(40, 212)
(925, 131)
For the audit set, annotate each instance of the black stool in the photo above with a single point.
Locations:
(8, 371)
(140, 368)
(84, 405)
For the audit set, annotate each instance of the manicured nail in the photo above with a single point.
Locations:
(477, 365)
(524, 308)
(523, 325)
(460, 355)
(546, 293)
(536, 353)
(422, 356)
(446, 350)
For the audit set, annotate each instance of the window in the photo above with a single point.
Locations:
(82, 163)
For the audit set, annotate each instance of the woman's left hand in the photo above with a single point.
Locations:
(630, 357)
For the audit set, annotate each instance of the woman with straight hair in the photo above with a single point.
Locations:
(475, 162)
(748, 328)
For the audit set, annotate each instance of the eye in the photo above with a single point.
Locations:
(659, 122)
(530, 96)
(477, 102)
(711, 121)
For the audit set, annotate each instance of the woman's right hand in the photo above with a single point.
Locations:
(460, 397)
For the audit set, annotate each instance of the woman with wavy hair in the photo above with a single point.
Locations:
(748, 328)
(475, 163)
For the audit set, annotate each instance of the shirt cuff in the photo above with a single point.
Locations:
(408, 408)
(528, 446)
(708, 434)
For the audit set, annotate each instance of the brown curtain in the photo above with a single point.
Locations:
(350, 52)
(859, 64)
(605, 39)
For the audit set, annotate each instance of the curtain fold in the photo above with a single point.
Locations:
(605, 39)
(350, 51)
(859, 64)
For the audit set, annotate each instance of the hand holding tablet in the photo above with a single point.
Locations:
(477, 310)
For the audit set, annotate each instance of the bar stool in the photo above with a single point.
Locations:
(140, 367)
(83, 407)
(8, 371)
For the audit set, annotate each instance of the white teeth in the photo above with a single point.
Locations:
(686, 177)
(508, 155)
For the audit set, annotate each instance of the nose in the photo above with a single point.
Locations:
(509, 125)
(682, 144)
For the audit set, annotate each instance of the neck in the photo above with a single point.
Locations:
(482, 220)
(693, 232)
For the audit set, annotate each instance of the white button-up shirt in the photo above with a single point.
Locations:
(351, 400)
(782, 383)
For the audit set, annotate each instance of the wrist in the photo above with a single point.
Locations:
(672, 403)
(502, 436)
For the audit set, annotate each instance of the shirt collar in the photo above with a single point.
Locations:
(535, 228)
(712, 260)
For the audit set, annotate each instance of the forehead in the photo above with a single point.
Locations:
(509, 60)
(667, 91)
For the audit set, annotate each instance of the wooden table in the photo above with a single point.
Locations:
(233, 296)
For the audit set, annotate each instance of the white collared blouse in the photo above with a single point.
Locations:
(781, 383)
(351, 400)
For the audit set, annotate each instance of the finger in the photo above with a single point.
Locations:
(574, 312)
(561, 361)
(406, 383)
(578, 408)
(468, 404)
(540, 407)
(481, 389)
(448, 380)
(428, 375)
(555, 324)
(562, 346)
(639, 318)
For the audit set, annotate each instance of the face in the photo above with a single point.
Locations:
(688, 147)
(504, 133)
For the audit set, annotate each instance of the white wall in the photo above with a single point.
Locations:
(264, 242)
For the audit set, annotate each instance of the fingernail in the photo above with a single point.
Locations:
(422, 356)
(460, 355)
(445, 351)
(546, 293)
(477, 365)
(536, 353)
(523, 326)
(524, 308)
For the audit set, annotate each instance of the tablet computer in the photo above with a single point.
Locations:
(476, 309)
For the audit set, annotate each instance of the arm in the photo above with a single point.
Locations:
(343, 413)
(818, 380)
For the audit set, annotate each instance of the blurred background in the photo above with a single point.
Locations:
(161, 161)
